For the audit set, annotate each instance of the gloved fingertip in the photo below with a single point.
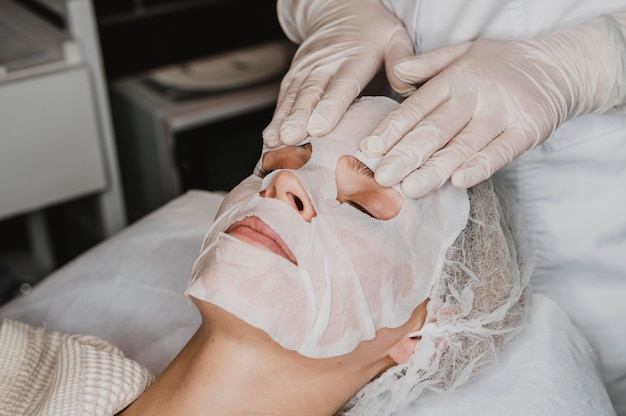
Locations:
(270, 138)
(386, 177)
(405, 91)
(372, 146)
(292, 133)
(415, 188)
(467, 177)
(318, 125)
(405, 70)
(271, 143)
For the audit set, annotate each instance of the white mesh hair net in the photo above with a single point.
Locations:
(477, 305)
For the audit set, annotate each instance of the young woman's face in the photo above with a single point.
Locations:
(315, 252)
(354, 185)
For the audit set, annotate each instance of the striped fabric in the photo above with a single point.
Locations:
(52, 373)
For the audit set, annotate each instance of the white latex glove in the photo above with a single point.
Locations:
(343, 45)
(486, 102)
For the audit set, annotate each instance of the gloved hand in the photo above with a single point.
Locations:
(344, 44)
(485, 102)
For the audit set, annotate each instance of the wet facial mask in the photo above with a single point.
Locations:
(301, 255)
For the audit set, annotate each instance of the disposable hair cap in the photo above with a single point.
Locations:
(479, 302)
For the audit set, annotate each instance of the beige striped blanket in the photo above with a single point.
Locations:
(52, 373)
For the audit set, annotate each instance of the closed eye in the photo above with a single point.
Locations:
(360, 208)
(357, 188)
(362, 169)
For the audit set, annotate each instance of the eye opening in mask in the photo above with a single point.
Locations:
(357, 188)
(355, 183)
(289, 157)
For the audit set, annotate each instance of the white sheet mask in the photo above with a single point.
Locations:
(354, 275)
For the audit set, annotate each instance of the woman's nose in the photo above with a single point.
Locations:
(286, 187)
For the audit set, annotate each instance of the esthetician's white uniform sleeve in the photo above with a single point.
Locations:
(571, 190)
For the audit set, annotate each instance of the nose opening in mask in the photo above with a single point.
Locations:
(285, 186)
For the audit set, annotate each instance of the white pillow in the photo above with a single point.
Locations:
(548, 369)
(129, 291)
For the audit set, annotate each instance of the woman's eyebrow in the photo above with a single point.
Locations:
(359, 167)
(290, 157)
(371, 198)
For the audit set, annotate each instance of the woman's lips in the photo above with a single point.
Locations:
(254, 231)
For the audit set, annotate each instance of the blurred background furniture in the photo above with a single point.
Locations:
(192, 84)
(57, 142)
(90, 141)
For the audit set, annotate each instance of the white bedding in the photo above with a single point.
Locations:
(129, 291)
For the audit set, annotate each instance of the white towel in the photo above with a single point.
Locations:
(52, 373)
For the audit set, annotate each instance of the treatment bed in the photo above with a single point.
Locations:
(128, 291)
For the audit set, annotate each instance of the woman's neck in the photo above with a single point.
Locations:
(226, 372)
